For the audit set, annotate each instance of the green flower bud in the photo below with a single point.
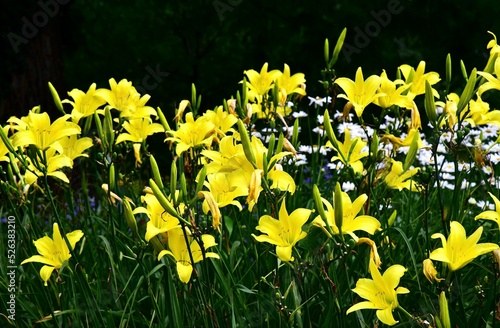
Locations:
(100, 131)
(338, 47)
(392, 218)
(329, 130)
(429, 105)
(129, 216)
(173, 178)
(56, 98)
(163, 201)
(247, 146)
(412, 152)
(108, 127)
(156, 171)
(163, 120)
(338, 208)
(468, 92)
(112, 180)
(444, 315)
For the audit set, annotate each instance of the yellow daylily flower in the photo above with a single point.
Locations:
(350, 221)
(291, 84)
(53, 165)
(53, 252)
(231, 159)
(284, 232)
(160, 221)
(380, 292)
(119, 96)
(360, 92)
(350, 151)
(450, 109)
(73, 147)
(406, 142)
(36, 129)
(137, 108)
(417, 79)
(179, 251)
(480, 114)
(192, 133)
(458, 250)
(223, 191)
(493, 81)
(138, 130)
(260, 83)
(393, 95)
(399, 179)
(491, 215)
(84, 104)
(222, 121)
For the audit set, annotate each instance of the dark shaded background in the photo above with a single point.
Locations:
(164, 46)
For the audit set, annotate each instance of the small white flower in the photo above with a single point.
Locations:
(299, 114)
(319, 131)
(305, 149)
(319, 102)
(348, 186)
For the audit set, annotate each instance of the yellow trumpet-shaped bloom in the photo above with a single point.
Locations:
(260, 83)
(399, 179)
(36, 129)
(84, 103)
(416, 79)
(493, 81)
(192, 133)
(350, 152)
(284, 232)
(393, 95)
(53, 252)
(74, 147)
(458, 250)
(52, 165)
(119, 96)
(380, 292)
(350, 221)
(179, 250)
(222, 191)
(138, 130)
(491, 215)
(159, 219)
(360, 92)
(222, 120)
(291, 84)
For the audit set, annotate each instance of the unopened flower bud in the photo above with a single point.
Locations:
(129, 216)
(443, 311)
(56, 98)
(338, 208)
(247, 146)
